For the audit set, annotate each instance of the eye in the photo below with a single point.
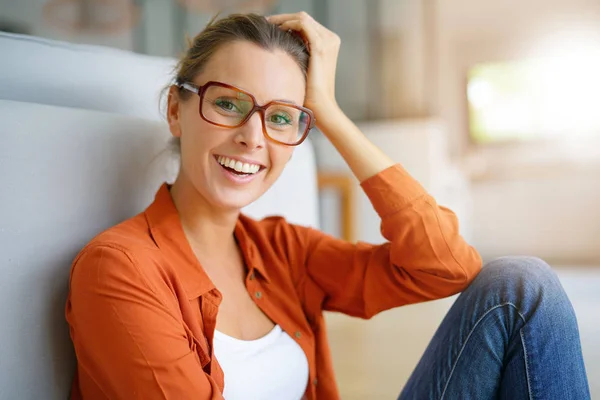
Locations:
(226, 105)
(280, 119)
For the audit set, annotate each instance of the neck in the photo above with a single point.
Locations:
(208, 228)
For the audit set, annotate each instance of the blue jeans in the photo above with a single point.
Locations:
(512, 334)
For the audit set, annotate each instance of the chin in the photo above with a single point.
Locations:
(225, 196)
(234, 201)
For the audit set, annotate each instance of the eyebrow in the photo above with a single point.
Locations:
(286, 101)
(249, 91)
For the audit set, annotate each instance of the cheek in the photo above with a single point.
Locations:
(279, 157)
(198, 135)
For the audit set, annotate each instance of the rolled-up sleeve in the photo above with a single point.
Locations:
(424, 258)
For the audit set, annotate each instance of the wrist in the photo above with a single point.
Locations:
(328, 115)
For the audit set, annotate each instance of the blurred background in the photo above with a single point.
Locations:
(493, 106)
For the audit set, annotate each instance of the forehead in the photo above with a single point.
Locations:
(268, 75)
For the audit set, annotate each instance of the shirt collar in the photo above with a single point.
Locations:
(167, 232)
(245, 232)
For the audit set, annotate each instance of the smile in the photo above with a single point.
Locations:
(239, 166)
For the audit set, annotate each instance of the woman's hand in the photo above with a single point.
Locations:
(362, 156)
(324, 46)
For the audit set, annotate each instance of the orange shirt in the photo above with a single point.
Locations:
(142, 311)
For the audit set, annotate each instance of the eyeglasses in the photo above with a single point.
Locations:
(230, 107)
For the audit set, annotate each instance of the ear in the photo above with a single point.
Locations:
(173, 111)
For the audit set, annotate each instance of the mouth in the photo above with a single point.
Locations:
(238, 168)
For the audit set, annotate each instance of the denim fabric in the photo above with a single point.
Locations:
(512, 334)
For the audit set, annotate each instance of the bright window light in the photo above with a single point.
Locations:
(555, 94)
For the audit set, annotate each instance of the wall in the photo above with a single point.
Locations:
(160, 29)
(533, 199)
(28, 13)
(383, 62)
(552, 215)
(469, 32)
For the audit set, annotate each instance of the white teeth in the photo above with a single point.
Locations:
(239, 166)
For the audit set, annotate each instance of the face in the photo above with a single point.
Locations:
(268, 75)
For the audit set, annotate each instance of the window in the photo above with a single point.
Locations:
(553, 97)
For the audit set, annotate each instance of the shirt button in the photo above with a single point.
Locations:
(298, 334)
(258, 295)
(315, 381)
(251, 277)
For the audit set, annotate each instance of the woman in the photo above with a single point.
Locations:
(192, 300)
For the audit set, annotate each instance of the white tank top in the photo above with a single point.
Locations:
(273, 367)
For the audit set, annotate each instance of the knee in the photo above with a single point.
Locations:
(530, 284)
(520, 266)
(524, 271)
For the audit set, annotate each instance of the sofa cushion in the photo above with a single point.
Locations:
(46, 71)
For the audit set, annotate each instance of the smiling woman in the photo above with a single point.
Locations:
(193, 300)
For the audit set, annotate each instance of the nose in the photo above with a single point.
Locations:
(250, 135)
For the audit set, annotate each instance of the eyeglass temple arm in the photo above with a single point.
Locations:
(188, 86)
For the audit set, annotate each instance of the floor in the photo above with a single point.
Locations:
(370, 365)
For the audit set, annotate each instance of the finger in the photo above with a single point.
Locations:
(305, 18)
(306, 31)
(278, 19)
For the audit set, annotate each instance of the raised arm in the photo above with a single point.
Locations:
(425, 257)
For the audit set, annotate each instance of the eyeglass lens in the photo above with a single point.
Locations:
(229, 107)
